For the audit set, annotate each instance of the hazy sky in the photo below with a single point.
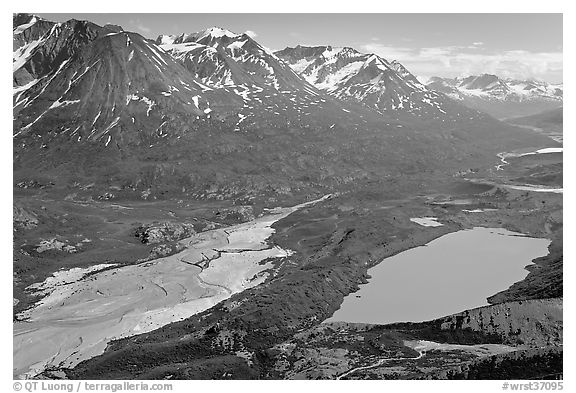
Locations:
(509, 45)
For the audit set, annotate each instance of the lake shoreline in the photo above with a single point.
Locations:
(396, 271)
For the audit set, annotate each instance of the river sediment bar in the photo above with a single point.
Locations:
(78, 316)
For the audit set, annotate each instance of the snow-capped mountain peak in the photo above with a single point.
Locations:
(500, 97)
(206, 37)
(223, 58)
(379, 84)
(495, 87)
(64, 74)
(216, 32)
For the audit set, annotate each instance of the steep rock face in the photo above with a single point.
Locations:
(500, 97)
(387, 87)
(40, 46)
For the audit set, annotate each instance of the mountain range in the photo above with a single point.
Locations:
(217, 110)
(501, 97)
(387, 87)
(135, 155)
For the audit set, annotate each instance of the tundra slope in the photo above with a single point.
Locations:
(548, 123)
(335, 243)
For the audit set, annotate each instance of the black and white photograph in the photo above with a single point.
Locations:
(286, 196)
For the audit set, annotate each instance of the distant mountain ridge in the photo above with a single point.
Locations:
(501, 88)
(385, 86)
(501, 97)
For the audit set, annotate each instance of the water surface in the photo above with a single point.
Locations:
(453, 273)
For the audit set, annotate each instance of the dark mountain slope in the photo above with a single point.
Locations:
(551, 120)
(107, 83)
(115, 111)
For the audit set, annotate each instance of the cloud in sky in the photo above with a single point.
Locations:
(452, 61)
(251, 34)
(140, 26)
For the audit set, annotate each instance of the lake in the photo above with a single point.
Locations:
(453, 273)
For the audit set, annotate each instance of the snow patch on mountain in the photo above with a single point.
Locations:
(332, 81)
(20, 29)
(492, 87)
(217, 32)
(59, 103)
(21, 55)
(387, 87)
